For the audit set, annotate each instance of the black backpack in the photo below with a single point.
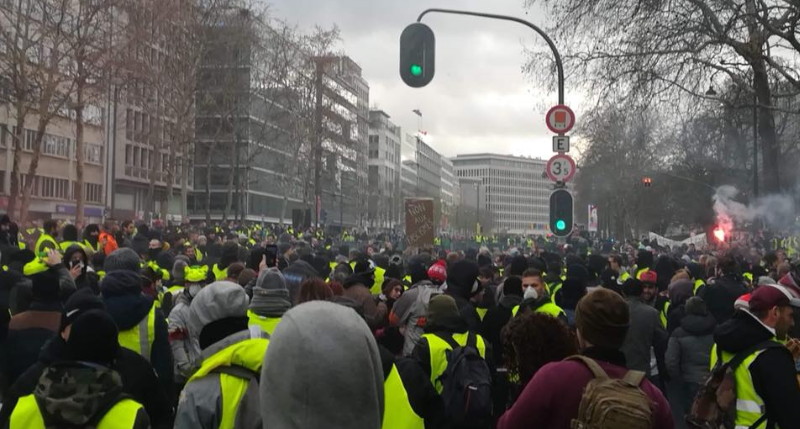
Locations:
(466, 385)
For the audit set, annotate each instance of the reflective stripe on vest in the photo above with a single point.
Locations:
(397, 411)
(555, 290)
(219, 274)
(481, 312)
(514, 311)
(438, 348)
(249, 354)
(266, 324)
(26, 415)
(547, 308)
(749, 406)
(140, 338)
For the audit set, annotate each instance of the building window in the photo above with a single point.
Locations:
(93, 153)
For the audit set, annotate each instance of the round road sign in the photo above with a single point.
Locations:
(560, 119)
(560, 168)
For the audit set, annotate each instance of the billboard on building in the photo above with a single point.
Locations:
(419, 222)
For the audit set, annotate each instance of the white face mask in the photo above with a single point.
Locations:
(530, 293)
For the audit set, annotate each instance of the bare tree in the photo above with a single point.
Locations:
(656, 52)
(33, 63)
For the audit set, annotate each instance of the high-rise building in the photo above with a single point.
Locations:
(384, 171)
(511, 190)
(450, 195)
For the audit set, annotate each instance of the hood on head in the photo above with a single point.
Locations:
(680, 291)
(71, 394)
(217, 301)
(695, 324)
(317, 341)
(740, 332)
(271, 279)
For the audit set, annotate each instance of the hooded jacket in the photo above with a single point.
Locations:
(773, 371)
(322, 372)
(376, 313)
(122, 294)
(645, 331)
(185, 347)
(721, 295)
(139, 381)
(689, 349)
(229, 366)
(497, 318)
(77, 395)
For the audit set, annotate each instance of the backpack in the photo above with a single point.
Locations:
(416, 318)
(714, 404)
(466, 385)
(612, 403)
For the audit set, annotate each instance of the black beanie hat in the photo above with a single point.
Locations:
(92, 338)
(80, 302)
(46, 287)
(518, 266)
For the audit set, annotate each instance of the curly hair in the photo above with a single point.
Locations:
(532, 340)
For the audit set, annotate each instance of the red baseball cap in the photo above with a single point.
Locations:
(768, 296)
(649, 276)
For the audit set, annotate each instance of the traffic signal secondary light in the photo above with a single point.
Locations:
(417, 55)
(561, 221)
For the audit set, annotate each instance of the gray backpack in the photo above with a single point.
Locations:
(416, 318)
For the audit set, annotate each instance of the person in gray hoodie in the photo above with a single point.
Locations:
(689, 351)
(270, 301)
(322, 370)
(223, 392)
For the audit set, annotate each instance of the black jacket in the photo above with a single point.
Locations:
(773, 371)
(138, 380)
(721, 296)
(127, 311)
(494, 321)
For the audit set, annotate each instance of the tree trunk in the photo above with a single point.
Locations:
(770, 148)
(208, 183)
(16, 186)
(33, 167)
(80, 198)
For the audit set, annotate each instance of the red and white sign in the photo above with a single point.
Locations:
(560, 119)
(560, 168)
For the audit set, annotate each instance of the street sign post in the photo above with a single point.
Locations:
(560, 168)
(560, 119)
(560, 143)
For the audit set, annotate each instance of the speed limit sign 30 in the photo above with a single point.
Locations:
(560, 168)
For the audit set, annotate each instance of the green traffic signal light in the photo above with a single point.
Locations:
(416, 70)
(561, 225)
(561, 214)
(417, 55)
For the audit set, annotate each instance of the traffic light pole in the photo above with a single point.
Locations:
(559, 65)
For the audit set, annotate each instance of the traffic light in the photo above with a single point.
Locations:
(561, 212)
(647, 182)
(417, 54)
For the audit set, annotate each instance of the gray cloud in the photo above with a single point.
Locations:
(479, 100)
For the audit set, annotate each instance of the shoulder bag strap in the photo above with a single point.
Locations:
(593, 366)
(634, 378)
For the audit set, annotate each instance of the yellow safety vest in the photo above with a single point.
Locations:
(663, 314)
(623, 276)
(438, 351)
(26, 415)
(140, 338)
(698, 284)
(88, 245)
(397, 411)
(556, 288)
(35, 266)
(64, 245)
(44, 238)
(219, 274)
(198, 255)
(248, 354)
(266, 324)
(379, 275)
(481, 312)
(749, 406)
(547, 308)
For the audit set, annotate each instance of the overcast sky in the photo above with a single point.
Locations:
(479, 99)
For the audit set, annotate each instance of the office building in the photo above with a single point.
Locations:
(384, 171)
